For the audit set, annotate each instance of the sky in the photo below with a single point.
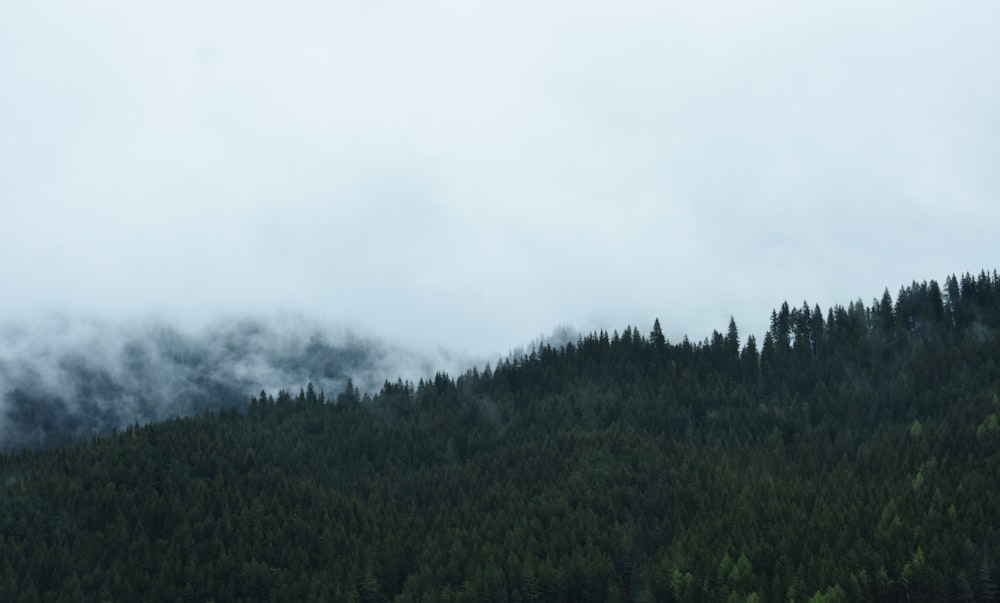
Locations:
(469, 176)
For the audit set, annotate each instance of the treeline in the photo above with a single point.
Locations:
(851, 456)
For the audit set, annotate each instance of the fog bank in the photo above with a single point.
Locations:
(63, 378)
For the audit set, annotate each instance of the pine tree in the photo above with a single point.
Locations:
(732, 339)
(750, 361)
(656, 337)
(886, 317)
(817, 330)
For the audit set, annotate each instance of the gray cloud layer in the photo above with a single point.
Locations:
(469, 176)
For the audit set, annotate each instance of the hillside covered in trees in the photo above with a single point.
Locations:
(64, 380)
(852, 454)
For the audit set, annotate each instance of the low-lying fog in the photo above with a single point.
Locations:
(64, 378)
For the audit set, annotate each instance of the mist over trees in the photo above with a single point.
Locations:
(850, 455)
(66, 379)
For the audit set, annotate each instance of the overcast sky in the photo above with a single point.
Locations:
(471, 175)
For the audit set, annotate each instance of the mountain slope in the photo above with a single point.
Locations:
(64, 380)
(852, 457)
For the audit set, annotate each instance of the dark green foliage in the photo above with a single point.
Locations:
(853, 458)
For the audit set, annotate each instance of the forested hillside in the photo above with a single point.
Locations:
(852, 454)
(64, 380)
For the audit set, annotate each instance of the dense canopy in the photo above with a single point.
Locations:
(850, 455)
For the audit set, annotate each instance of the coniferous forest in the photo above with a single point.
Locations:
(852, 454)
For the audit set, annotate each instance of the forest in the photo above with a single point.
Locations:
(852, 454)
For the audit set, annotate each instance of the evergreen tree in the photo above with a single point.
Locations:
(656, 337)
(750, 361)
